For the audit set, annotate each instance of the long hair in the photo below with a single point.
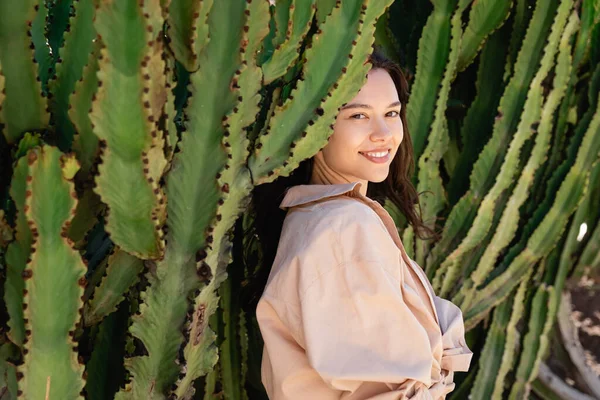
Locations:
(396, 188)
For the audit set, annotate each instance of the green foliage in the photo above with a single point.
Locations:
(136, 131)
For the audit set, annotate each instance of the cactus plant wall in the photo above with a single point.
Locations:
(133, 133)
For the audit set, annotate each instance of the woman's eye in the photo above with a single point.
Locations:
(361, 115)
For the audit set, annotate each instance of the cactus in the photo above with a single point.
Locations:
(286, 49)
(478, 121)
(20, 78)
(17, 255)
(587, 211)
(551, 227)
(512, 340)
(78, 44)
(125, 118)
(8, 373)
(485, 168)
(50, 367)
(435, 46)
(136, 131)
(122, 272)
(428, 175)
(484, 18)
(492, 354)
(538, 120)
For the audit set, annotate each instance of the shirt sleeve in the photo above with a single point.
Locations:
(457, 355)
(360, 335)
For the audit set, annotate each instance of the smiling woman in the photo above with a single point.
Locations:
(345, 313)
(373, 121)
(367, 134)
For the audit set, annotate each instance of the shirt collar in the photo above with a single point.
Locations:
(303, 194)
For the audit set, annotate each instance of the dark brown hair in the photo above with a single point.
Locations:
(397, 187)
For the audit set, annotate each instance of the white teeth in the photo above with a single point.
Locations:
(378, 154)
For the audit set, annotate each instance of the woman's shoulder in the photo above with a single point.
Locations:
(317, 240)
(341, 224)
(332, 212)
(344, 218)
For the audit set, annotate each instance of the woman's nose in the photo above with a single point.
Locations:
(381, 131)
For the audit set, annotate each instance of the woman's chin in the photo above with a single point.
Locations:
(377, 178)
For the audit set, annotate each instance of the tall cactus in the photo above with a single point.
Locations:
(486, 167)
(510, 218)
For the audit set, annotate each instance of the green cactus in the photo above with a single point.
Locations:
(428, 173)
(125, 116)
(122, 272)
(188, 30)
(552, 226)
(8, 373)
(136, 131)
(492, 353)
(512, 341)
(78, 43)
(484, 18)
(50, 367)
(286, 48)
(536, 119)
(17, 254)
(21, 85)
(434, 48)
(485, 169)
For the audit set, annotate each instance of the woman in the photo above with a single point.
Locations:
(345, 313)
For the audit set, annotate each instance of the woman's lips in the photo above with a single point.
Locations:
(377, 160)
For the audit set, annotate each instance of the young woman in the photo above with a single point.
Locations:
(345, 313)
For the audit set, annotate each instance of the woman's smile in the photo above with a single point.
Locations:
(378, 157)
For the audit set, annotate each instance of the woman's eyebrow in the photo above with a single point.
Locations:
(360, 105)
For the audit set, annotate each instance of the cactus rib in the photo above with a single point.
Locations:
(18, 67)
(51, 368)
(124, 119)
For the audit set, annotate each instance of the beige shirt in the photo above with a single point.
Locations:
(346, 314)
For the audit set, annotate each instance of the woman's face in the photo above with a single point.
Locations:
(367, 132)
